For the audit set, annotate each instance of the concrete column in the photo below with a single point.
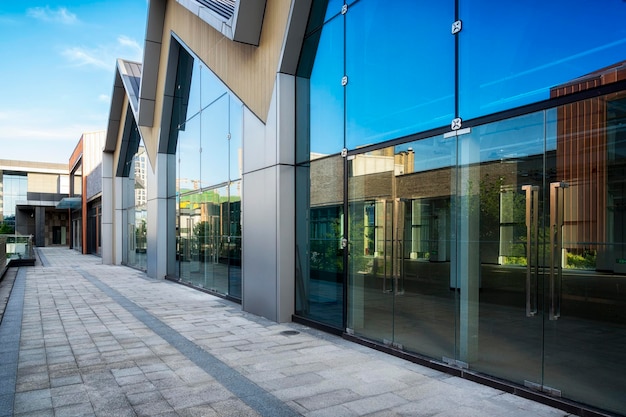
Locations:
(161, 221)
(269, 207)
(107, 209)
(40, 226)
(119, 220)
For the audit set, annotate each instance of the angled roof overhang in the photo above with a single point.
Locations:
(127, 83)
(69, 203)
(238, 20)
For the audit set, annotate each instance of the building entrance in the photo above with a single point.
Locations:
(500, 250)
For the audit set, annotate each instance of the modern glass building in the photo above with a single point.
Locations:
(439, 180)
(29, 195)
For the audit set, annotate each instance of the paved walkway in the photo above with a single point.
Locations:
(79, 338)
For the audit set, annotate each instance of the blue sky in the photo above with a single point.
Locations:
(57, 68)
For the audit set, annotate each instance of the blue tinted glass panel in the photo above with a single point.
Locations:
(513, 53)
(234, 146)
(401, 75)
(334, 8)
(194, 105)
(210, 87)
(325, 92)
(214, 127)
(188, 155)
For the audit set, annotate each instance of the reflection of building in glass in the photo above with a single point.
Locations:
(597, 168)
(141, 161)
(460, 203)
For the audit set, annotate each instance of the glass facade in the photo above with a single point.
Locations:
(206, 134)
(135, 210)
(14, 189)
(499, 247)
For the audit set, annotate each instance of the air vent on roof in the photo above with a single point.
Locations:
(224, 8)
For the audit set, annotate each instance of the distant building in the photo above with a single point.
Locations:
(84, 203)
(29, 193)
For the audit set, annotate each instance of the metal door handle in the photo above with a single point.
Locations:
(556, 246)
(532, 228)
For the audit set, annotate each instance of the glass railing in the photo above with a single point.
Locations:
(16, 247)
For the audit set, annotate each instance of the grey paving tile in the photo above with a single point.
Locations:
(372, 404)
(335, 411)
(153, 409)
(39, 413)
(234, 408)
(32, 401)
(74, 410)
(144, 397)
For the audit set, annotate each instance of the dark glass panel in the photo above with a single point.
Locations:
(319, 230)
(233, 240)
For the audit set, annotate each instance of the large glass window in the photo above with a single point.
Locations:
(15, 188)
(207, 135)
(513, 53)
(396, 86)
(320, 92)
(135, 200)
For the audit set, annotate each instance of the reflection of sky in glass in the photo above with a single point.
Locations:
(189, 154)
(215, 142)
(431, 153)
(236, 134)
(401, 75)
(326, 92)
(14, 189)
(334, 8)
(512, 53)
(520, 137)
(399, 59)
(203, 146)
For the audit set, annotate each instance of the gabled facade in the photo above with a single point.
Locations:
(85, 195)
(441, 181)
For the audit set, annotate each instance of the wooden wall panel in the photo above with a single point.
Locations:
(249, 71)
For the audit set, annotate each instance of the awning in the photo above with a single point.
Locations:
(69, 203)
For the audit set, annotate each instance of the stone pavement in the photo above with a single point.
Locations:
(80, 338)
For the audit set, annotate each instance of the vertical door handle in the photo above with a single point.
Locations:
(532, 228)
(556, 246)
(386, 238)
(398, 258)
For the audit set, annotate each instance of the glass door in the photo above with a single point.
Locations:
(501, 211)
(585, 321)
(400, 225)
(540, 251)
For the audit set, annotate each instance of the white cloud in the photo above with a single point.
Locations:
(105, 98)
(132, 47)
(83, 57)
(104, 56)
(46, 14)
